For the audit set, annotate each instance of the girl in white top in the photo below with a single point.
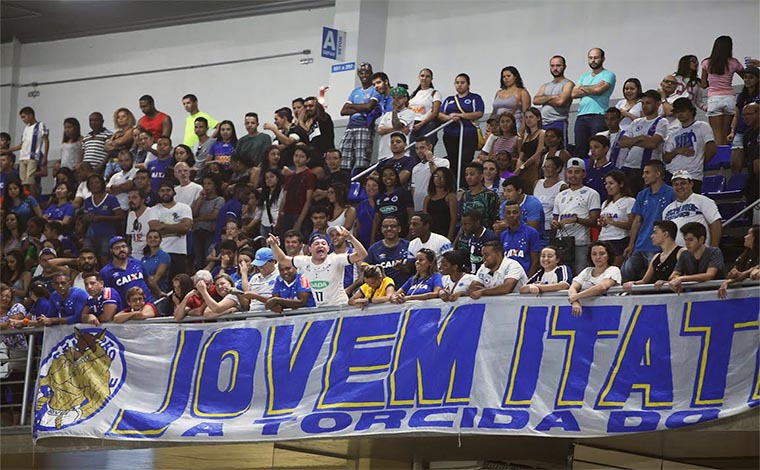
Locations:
(616, 218)
(547, 188)
(596, 280)
(630, 105)
(71, 147)
(271, 197)
(425, 101)
(551, 276)
(455, 268)
(339, 211)
(323, 270)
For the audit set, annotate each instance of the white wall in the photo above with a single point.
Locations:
(641, 38)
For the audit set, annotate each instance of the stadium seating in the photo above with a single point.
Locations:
(721, 159)
(713, 184)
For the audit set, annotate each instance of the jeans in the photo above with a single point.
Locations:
(585, 127)
(636, 265)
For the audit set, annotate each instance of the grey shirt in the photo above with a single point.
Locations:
(207, 207)
(712, 257)
(551, 113)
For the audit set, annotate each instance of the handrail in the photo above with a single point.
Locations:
(741, 212)
(371, 168)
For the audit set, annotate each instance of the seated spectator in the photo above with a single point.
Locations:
(630, 105)
(182, 284)
(315, 120)
(700, 263)
(41, 306)
(340, 246)
(251, 147)
(288, 135)
(103, 302)
(333, 174)
(749, 258)
(319, 222)
(291, 290)
(260, 285)
(393, 200)
(441, 203)
(531, 147)
(25, 207)
(69, 302)
(221, 151)
(456, 275)
(377, 288)
(138, 308)
(751, 145)
(156, 264)
(690, 144)
(398, 159)
(193, 303)
(423, 237)
(339, 212)
(498, 275)
(12, 315)
(103, 214)
(692, 207)
(662, 264)
(61, 208)
(398, 120)
(158, 167)
(478, 197)
(551, 276)
(425, 283)
(294, 243)
(595, 280)
(15, 274)
(520, 241)
(554, 146)
(231, 300)
(491, 178)
(546, 190)
(422, 172)
(472, 237)
(616, 217)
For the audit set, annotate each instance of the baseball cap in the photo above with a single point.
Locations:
(399, 91)
(681, 174)
(48, 251)
(365, 65)
(317, 236)
(116, 240)
(752, 70)
(263, 256)
(577, 163)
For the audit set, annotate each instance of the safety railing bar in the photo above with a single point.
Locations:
(27, 379)
(741, 212)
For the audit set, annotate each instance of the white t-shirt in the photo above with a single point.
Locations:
(176, 244)
(635, 110)
(437, 242)
(461, 286)
(696, 208)
(621, 152)
(695, 137)
(137, 231)
(188, 194)
(641, 127)
(508, 269)
(421, 175)
(120, 178)
(619, 211)
(326, 279)
(547, 197)
(82, 191)
(422, 103)
(406, 116)
(31, 147)
(586, 278)
(572, 203)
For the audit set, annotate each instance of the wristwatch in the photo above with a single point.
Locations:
(522, 167)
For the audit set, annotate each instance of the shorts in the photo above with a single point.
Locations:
(721, 105)
(26, 171)
(738, 142)
(356, 148)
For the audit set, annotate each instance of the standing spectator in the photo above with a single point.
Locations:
(616, 154)
(546, 189)
(398, 120)
(466, 107)
(7, 162)
(700, 263)
(599, 147)
(122, 138)
(506, 137)
(124, 271)
(662, 264)
(319, 125)
(190, 103)
(142, 183)
(644, 140)
(531, 209)
(203, 147)
(595, 280)
(529, 160)
(121, 182)
(299, 189)
(426, 282)
(519, 241)
(271, 200)
(250, 148)
(137, 221)
(356, 144)
(390, 252)
(751, 114)
(221, 151)
(472, 237)
(630, 105)
(691, 207)
(334, 174)
(103, 214)
(103, 302)
(687, 79)
(749, 94)
(287, 135)
(339, 212)
(399, 160)
(365, 211)
(291, 290)
(551, 276)
(717, 76)
(157, 168)
(478, 197)
(555, 98)
(154, 121)
(173, 220)
(690, 146)
(576, 210)
(512, 96)
(187, 191)
(594, 89)
(616, 218)
(394, 200)
(647, 209)
(425, 102)
(156, 264)
(71, 145)
(271, 161)
(499, 275)
(34, 148)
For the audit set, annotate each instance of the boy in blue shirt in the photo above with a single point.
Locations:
(291, 290)
(157, 168)
(520, 241)
(103, 302)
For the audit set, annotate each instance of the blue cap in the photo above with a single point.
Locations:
(48, 251)
(116, 240)
(319, 236)
(263, 256)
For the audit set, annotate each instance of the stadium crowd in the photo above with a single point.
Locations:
(138, 226)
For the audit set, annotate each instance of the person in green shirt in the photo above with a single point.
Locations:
(250, 148)
(190, 102)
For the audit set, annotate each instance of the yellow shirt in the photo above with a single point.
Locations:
(190, 137)
(369, 293)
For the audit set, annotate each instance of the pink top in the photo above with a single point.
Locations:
(721, 84)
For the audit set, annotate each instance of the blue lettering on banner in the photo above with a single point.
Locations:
(345, 67)
(526, 357)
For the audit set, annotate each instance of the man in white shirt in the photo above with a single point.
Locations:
(423, 237)
(644, 139)
(616, 154)
(187, 191)
(576, 210)
(137, 222)
(498, 275)
(121, 181)
(173, 220)
(691, 207)
(423, 171)
(259, 286)
(691, 145)
(399, 119)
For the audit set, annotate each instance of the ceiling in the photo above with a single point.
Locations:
(46, 20)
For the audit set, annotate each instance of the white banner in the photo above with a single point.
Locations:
(508, 365)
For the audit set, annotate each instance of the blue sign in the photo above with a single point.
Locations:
(333, 43)
(348, 66)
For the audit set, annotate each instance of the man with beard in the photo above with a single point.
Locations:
(137, 221)
(356, 144)
(86, 262)
(124, 271)
(173, 220)
(643, 139)
(319, 125)
(286, 135)
(555, 97)
(594, 89)
(121, 181)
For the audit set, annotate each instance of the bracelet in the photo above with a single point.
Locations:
(25, 321)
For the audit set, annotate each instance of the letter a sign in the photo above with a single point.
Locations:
(333, 43)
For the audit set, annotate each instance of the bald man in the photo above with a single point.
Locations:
(187, 191)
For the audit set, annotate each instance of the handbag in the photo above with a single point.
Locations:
(481, 139)
(565, 247)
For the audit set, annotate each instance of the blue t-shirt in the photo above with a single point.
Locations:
(403, 163)
(107, 296)
(470, 103)
(360, 96)
(417, 286)
(379, 254)
(395, 203)
(231, 209)
(595, 178)
(151, 264)
(532, 211)
(56, 212)
(365, 215)
(649, 207)
(123, 279)
(519, 244)
(290, 291)
(42, 306)
(101, 230)
(25, 210)
(157, 170)
(71, 307)
(596, 104)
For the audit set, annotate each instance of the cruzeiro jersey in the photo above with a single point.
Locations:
(325, 279)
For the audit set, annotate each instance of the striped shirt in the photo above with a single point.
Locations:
(94, 145)
(32, 140)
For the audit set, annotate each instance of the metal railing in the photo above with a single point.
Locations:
(754, 205)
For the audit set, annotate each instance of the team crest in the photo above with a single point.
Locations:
(78, 378)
